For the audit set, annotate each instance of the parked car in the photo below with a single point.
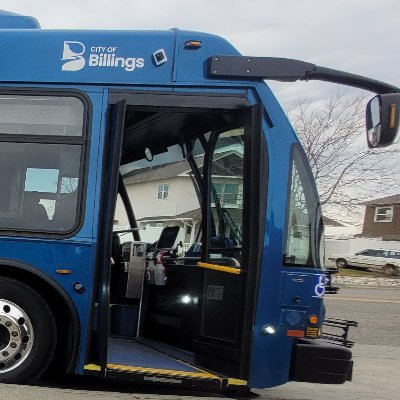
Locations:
(387, 261)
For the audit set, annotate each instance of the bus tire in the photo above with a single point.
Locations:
(28, 333)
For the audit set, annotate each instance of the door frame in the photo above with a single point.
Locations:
(256, 161)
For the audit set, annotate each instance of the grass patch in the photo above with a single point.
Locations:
(359, 272)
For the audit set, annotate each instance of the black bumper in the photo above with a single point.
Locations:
(320, 362)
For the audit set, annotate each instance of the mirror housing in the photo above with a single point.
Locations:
(382, 119)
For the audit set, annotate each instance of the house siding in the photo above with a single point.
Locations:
(385, 230)
(143, 196)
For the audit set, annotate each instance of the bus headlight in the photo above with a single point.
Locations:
(268, 329)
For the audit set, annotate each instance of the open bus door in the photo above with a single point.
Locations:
(204, 313)
(99, 344)
(231, 256)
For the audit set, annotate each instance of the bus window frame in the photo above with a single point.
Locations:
(83, 141)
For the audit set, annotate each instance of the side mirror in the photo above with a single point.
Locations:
(382, 119)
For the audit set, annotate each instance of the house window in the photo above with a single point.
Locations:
(227, 193)
(188, 233)
(163, 191)
(383, 214)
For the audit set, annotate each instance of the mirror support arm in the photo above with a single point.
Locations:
(345, 78)
(288, 70)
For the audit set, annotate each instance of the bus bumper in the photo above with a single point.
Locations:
(320, 362)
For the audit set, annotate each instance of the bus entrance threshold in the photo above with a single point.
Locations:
(131, 360)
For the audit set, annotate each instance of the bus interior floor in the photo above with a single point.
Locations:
(132, 353)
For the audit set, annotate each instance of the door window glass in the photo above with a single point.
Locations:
(227, 197)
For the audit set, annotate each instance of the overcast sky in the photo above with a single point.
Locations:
(358, 36)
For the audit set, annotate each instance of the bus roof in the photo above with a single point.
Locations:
(31, 54)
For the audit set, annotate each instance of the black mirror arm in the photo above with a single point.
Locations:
(345, 78)
(288, 70)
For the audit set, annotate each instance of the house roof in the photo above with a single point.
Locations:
(158, 218)
(195, 214)
(388, 200)
(228, 163)
(331, 222)
(235, 214)
(163, 171)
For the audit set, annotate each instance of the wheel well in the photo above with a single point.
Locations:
(66, 321)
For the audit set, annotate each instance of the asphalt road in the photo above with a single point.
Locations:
(376, 372)
(376, 309)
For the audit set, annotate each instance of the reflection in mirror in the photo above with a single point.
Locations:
(375, 111)
(373, 122)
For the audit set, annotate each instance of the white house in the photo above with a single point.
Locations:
(164, 195)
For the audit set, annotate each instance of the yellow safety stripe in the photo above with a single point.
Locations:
(221, 268)
(236, 382)
(92, 367)
(169, 372)
(202, 375)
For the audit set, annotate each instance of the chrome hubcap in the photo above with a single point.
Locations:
(16, 336)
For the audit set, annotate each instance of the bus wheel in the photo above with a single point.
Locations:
(27, 333)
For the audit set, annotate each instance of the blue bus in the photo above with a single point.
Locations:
(183, 133)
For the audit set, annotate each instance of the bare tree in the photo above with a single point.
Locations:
(346, 171)
(69, 185)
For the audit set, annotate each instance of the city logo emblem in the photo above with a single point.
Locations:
(75, 58)
(72, 54)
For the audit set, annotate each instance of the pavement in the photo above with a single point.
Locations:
(374, 302)
(376, 377)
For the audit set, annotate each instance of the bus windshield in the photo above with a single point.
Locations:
(304, 230)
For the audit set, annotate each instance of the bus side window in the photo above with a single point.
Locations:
(40, 177)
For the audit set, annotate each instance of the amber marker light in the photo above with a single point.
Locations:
(313, 319)
(392, 115)
(193, 44)
(64, 271)
(295, 333)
